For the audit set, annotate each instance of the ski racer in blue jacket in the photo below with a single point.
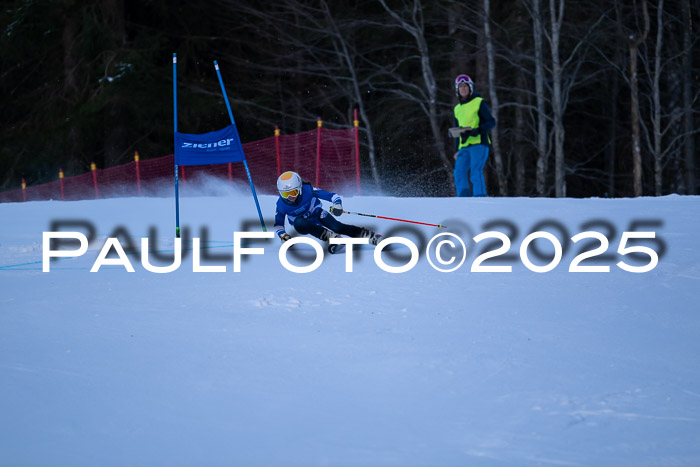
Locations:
(300, 203)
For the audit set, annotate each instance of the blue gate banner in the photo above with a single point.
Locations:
(217, 147)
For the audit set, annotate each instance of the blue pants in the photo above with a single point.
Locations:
(469, 167)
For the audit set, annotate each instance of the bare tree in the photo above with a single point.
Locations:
(688, 126)
(634, 38)
(113, 68)
(490, 37)
(71, 87)
(612, 146)
(415, 26)
(656, 95)
(348, 54)
(555, 78)
(493, 95)
(556, 18)
(519, 151)
(665, 138)
(542, 151)
(323, 52)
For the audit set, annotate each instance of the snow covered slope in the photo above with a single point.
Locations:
(269, 367)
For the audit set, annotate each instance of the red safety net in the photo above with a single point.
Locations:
(333, 167)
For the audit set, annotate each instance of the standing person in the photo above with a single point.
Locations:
(472, 147)
(300, 203)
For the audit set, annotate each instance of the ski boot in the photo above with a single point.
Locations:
(326, 235)
(374, 238)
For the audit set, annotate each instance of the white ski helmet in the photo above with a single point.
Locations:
(289, 184)
(464, 79)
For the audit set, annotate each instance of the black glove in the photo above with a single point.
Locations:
(337, 209)
(475, 132)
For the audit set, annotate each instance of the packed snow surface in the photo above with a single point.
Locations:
(270, 367)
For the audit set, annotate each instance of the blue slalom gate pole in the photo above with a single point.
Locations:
(245, 163)
(177, 192)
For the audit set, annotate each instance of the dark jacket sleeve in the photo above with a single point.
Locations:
(486, 121)
(456, 139)
(279, 219)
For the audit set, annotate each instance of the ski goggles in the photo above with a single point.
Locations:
(287, 194)
(463, 79)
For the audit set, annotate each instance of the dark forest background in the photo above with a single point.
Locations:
(592, 98)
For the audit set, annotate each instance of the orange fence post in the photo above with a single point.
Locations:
(356, 124)
(93, 167)
(277, 150)
(24, 191)
(138, 172)
(60, 179)
(318, 152)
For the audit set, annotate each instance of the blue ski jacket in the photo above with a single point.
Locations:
(308, 205)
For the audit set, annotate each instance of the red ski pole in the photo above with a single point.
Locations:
(395, 219)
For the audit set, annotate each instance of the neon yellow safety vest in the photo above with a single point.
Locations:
(467, 114)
